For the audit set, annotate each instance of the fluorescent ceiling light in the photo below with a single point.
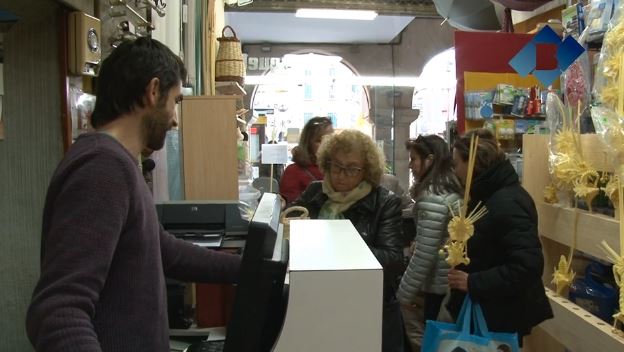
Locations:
(374, 81)
(310, 58)
(364, 15)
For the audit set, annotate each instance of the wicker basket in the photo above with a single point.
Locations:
(286, 220)
(229, 64)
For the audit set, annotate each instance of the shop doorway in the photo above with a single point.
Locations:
(302, 86)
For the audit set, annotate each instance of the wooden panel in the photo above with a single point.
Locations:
(208, 133)
(577, 329)
(28, 155)
(595, 152)
(535, 165)
(557, 223)
(540, 341)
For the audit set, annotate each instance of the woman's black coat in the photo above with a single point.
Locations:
(506, 260)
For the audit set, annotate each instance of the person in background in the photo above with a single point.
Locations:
(435, 189)
(104, 255)
(391, 182)
(353, 166)
(506, 261)
(304, 170)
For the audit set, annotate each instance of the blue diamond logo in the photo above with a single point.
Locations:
(524, 62)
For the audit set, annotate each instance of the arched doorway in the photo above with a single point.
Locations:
(305, 85)
(434, 95)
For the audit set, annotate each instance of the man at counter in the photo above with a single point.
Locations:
(104, 255)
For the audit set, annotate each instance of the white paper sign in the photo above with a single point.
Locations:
(274, 153)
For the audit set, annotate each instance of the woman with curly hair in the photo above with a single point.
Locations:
(304, 170)
(353, 165)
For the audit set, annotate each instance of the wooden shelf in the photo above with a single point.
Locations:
(557, 223)
(579, 330)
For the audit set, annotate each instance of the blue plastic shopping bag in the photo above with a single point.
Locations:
(468, 334)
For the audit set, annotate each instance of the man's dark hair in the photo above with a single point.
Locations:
(127, 71)
(440, 177)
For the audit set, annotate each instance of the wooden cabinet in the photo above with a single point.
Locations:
(208, 146)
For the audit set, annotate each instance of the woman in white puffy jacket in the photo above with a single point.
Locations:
(435, 189)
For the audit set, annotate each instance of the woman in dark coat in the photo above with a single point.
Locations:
(353, 166)
(506, 261)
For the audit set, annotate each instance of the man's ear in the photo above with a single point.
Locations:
(152, 92)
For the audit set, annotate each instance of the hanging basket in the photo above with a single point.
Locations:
(285, 220)
(229, 65)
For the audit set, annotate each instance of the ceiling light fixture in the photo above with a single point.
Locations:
(373, 81)
(361, 15)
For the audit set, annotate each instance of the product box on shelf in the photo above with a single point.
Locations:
(478, 105)
(504, 94)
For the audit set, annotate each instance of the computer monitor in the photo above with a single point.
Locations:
(261, 296)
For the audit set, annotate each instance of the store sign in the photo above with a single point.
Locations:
(555, 56)
(255, 63)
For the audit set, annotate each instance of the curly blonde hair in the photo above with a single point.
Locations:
(353, 141)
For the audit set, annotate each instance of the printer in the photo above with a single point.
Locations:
(206, 223)
(211, 224)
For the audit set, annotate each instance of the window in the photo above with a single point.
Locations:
(307, 91)
(331, 92)
(306, 117)
(332, 117)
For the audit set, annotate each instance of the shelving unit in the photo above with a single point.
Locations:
(557, 223)
(579, 330)
(572, 327)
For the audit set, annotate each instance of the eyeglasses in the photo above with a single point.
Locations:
(351, 171)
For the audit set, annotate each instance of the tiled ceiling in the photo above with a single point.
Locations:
(415, 8)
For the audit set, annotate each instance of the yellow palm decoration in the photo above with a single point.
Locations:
(563, 276)
(570, 172)
(611, 190)
(611, 96)
(618, 261)
(461, 226)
